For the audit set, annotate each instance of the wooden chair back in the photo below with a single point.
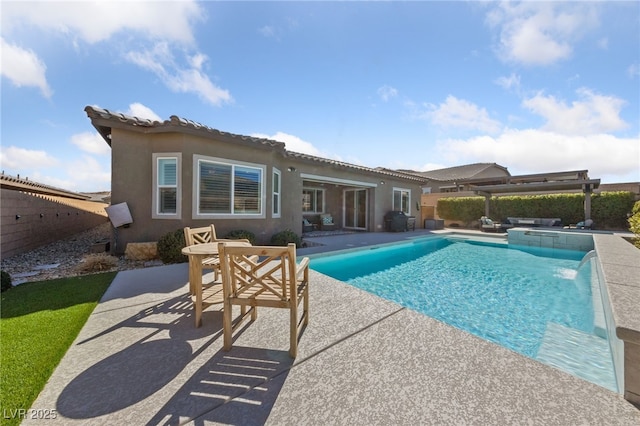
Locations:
(205, 234)
(267, 276)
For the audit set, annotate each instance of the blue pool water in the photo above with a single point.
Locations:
(535, 301)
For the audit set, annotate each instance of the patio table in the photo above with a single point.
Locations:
(212, 294)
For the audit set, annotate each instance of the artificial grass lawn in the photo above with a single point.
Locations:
(38, 323)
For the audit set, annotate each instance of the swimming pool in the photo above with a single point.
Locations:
(535, 301)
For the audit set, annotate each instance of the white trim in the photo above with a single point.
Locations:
(196, 189)
(401, 190)
(154, 196)
(319, 178)
(275, 172)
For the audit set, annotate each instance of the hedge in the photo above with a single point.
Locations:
(608, 209)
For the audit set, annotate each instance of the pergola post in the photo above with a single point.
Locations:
(487, 204)
(487, 201)
(587, 201)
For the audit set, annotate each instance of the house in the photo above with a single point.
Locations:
(181, 173)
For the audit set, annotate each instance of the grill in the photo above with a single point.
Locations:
(395, 221)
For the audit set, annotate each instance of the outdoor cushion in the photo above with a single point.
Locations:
(327, 220)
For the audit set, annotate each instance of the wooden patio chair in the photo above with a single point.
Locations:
(204, 235)
(264, 276)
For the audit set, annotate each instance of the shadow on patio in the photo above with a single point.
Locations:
(227, 387)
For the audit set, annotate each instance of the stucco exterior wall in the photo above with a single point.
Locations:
(43, 220)
(132, 182)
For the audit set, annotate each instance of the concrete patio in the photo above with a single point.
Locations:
(362, 360)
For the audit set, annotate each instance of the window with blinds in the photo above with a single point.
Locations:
(167, 185)
(229, 189)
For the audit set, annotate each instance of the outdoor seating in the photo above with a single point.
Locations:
(534, 222)
(488, 225)
(204, 235)
(212, 293)
(272, 279)
(326, 222)
(308, 226)
(587, 224)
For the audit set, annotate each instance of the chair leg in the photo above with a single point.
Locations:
(306, 306)
(293, 331)
(226, 325)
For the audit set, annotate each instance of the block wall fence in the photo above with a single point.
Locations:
(28, 221)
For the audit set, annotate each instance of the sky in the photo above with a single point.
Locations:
(532, 86)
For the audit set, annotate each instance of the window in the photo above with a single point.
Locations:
(312, 200)
(166, 198)
(276, 193)
(402, 200)
(226, 188)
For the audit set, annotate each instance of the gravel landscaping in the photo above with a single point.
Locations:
(63, 258)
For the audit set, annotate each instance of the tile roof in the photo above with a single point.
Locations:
(380, 171)
(100, 117)
(467, 171)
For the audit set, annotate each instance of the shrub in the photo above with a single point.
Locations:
(634, 224)
(5, 281)
(465, 209)
(170, 247)
(285, 237)
(97, 262)
(568, 207)
(608, 209)
(240, 234)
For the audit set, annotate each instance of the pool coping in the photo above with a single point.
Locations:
(619, 270)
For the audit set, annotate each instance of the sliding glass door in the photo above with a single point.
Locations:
(355, 208)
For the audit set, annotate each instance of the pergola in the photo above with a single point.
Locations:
(539, 183)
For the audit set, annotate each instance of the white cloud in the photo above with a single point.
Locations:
(269, 31)
(292, 143)
(511, 82)
(633, 70)
(177, 78)
(99, 20)
(536, 151)
(83, 174)
(24, 68)
(387, 92)
(92, 143)
(87, 173)
(592, 114)
(139, 110)
(77, 173)
(458, 113)
(15, 158)
(540, 33)
(165, 23)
